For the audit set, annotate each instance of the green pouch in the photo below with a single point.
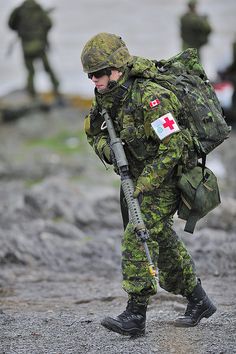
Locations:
(199, 195)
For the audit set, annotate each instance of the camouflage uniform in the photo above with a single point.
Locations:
(32, 24)
(137, 104)
(194, 29)
(154, 164)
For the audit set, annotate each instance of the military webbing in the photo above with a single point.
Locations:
(118, 96)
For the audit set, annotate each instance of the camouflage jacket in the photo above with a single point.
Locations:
(195, 30)
(143, 103)
(30, 21)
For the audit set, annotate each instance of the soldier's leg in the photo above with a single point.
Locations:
(29, 63)
(176, 267)
(137, 282)
(169, 254)
(48, 69)
(139, 285)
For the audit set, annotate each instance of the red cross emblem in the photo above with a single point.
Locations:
(165, 125)
(168, 123)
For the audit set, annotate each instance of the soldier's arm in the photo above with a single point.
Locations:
(97, 137)
(166, 108)
(203, 25)
(47, 22)
(14, 19)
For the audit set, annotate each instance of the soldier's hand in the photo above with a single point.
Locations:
(107, 153)
(104, 150)
(137, 191)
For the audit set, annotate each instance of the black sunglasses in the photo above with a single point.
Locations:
(100, 73)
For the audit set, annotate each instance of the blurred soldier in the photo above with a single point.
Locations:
(230, 74)
(123, 87)
(232, 77)
(194, 28)
(32, 24)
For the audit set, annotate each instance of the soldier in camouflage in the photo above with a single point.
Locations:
(136, 104)
(194, 28)
(32, 24)
(230, 74)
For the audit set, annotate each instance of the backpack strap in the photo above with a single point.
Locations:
(118, 96)
(191, 222)
(203, 165)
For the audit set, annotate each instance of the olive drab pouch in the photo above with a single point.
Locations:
(199, 195)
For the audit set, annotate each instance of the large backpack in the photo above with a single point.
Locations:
(203, 116)
(202, 112)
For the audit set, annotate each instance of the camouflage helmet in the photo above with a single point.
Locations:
(103, 51)
(192, 3)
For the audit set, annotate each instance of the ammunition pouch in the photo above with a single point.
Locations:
(199, 195)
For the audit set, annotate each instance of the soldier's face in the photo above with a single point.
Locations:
(101, 83)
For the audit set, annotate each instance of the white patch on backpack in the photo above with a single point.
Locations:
(165, 125)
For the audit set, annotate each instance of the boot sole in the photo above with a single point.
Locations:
(114, 326)
(207, 313)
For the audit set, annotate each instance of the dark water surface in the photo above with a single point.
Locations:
(150, 28)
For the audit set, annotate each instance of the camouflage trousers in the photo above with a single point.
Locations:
(176, 270)
(29, 63)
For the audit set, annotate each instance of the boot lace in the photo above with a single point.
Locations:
(130, 313)
(192, 308)
(126, 315)
(189, 309)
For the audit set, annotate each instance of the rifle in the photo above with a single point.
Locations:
(11, 46)
(128, 187)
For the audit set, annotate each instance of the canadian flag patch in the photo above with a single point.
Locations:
(154, 103)
(165, 126)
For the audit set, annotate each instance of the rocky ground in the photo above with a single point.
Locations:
(60, 233)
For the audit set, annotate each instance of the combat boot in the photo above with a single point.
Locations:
(131, 322)
(199, 306)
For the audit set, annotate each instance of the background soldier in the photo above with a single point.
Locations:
(194, 28)
(230, 74)
(123, 87)
(32, 24)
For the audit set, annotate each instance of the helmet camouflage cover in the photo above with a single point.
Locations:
(103, 51)
(192, 2)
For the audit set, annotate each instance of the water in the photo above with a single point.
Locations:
(150, 29)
